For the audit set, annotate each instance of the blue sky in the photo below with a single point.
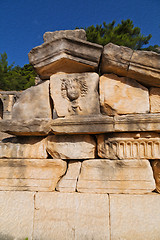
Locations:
(23, 22)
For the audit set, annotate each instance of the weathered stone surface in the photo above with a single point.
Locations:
(116, 59)
(156, 172)
(36, 127)
(83, 124)
(75, 94)
(71, 216)
(129, 145)
(4, 135)
(138, 122)
(118, 176)
(77, 33)
(16, 215)
(71, 146)
(145, 68)
(30, 174)
(79, 124)
(7, 100)
(119, 95)
(68, 55)
(23, 147)
(135, 217)
(154, 97)
(68, 183)
(33, 103)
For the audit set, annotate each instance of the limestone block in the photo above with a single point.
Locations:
(145, 68)
(135, 217)
(68, 183)
(118, 176)
(156, 172)
(71, 146)
(116, 59)
(23, 147)
(31, 174)
(75, 94)
(137, 122)
(16, 215)
(79, 124)
(92, 124)
(154, 97)
(35, 127)
(77, 33)
(129, 145)
(65, 54)
(119, 95)
(71, 216)
(33, 103)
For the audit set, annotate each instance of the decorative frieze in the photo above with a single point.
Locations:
(129, 146)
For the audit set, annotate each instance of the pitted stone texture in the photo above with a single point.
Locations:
(129, 145)
(68, 182)
(70, 55)
(135, 217)
(156, 172)
(70, 216)
(118, 176)
(33, 103)
(154, 97)
(31, 174)
(119, 95)
(16, 215)
(75, 94)
(71, 146)
(145, 68)
(23, 147)
(77, 33)
(116, 59)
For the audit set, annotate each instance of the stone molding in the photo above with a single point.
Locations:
(127, 147)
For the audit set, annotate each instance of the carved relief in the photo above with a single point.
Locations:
(75, 94)
(72, 90)
(126, 147)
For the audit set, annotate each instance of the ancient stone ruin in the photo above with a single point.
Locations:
(84, 158)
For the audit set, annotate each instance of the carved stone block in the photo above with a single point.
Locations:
(71, 146)
(77, 33)
(68, 183)
(23, 147)
(118, 176)
(33, 103)
(156, 172)
(142, 66)
(145, 68)
(116, 59)
(71, 216)
(129, 146)
(120, 95)
(75, 94)
(154, 97)
(65, 54)
(31, 174)
(135, 217)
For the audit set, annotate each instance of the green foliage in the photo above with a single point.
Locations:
(124, 34)
(15, 78)
(154, 48)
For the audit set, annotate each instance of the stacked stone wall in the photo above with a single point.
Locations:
(84, 161)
